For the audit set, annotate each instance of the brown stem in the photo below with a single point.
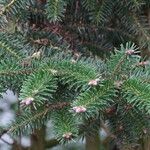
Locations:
(93, 142)
(148, 16)
(16, 146)
(51, 143)
(144, 143)
(38, 139)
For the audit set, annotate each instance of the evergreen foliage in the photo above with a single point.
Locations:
(39, 60)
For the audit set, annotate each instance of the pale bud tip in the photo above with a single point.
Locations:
(130, 52)
(143, 63)
(36, 54)
(93, 82)
(67, 135)
(79, 109)
(73, 61)
(27, 101)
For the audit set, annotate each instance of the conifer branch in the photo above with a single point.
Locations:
(36, 116)
(7, 6)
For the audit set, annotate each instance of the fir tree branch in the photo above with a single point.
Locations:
(23, 123)
(7, 6)
(142, 31)
(17, 72)
(118, 66)
(13, 4)
(10, 50)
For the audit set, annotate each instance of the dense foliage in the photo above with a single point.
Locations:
(43, 58)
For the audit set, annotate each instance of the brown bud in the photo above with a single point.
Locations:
(110, 110)
(120, 128)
